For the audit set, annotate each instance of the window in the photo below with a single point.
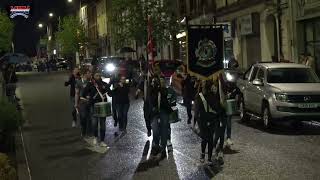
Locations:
(247, 73)
(292, 75)
(254, 73)
(260, 74)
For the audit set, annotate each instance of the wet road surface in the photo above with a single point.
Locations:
(56, 151)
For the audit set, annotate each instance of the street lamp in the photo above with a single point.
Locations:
(70, 1)
(50, 14)
(40, 25)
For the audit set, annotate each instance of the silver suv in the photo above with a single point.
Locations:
(279, 91)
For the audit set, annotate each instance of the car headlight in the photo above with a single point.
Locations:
(229, 77)
(110, 67)
(281, 97)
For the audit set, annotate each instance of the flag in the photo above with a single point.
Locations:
(151, 50)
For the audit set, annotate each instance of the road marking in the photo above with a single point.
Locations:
(25, 154)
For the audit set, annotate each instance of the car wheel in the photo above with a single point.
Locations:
(296, 125)
(266, 117)
(243, 114)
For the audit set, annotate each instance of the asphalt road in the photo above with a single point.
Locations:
(56, 151)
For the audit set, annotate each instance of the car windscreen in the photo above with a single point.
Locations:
(292, 75)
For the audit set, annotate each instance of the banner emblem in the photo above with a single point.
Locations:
(206, 53)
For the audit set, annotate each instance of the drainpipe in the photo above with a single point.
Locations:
(278, 22)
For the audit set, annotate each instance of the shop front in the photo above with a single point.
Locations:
(311, 44)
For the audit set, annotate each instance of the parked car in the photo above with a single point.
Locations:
(62, 63)
(24, 67)
(86, 63)
(167, 68)
(279, 91)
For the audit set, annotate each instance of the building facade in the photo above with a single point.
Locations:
(260, 29)
(93, 15)
(306, 29)
(254, 30)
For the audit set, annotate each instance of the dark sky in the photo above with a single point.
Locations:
(26, 33)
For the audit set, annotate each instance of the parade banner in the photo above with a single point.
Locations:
(205, 51)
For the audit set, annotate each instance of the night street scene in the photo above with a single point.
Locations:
(159, 89)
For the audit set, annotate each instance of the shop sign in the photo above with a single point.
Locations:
(246, 25)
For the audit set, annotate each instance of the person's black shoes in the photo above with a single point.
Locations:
(202, 155)
(163, 153)
(149, 132)
(155, 150)
(115, 123)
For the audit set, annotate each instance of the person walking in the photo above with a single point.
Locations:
(160, 124)
(82, 103)
(72, 83)
(10, 80)
(188, 95)
(310, 62)
(146, 89)
(121, 92)
(114, 81)
(207, 115)
(198, 88)
(223, 118)
(95, 92)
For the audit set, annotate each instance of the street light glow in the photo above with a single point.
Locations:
(50, 14)
(70, 1)
(40, 25)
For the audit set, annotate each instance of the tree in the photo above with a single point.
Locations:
(6, 32)
(129, 20)
(71, 35)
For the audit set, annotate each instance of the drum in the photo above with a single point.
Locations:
(231, 107)
(174, 116)
(102, 109)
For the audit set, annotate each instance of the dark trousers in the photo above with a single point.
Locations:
(229, 126)
(114, 112)
(95, 126)
(188, 103)
(160, 128)
(123, 115)
(74, 111)
(85, 117)
(147, 118)
(207, 132)
(219, 134)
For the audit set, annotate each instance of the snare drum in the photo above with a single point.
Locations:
(102, 109)
(231, 107)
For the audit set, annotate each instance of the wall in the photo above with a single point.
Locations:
(102, 18)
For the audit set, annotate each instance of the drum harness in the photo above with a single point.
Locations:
(206, 106)
(99, 94)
